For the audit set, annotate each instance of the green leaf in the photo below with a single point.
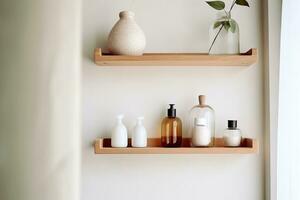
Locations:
(242, 3)
(226, 25)
(217, 24)
(218, 5)
(233, 25)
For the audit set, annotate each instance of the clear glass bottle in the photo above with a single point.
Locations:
(202, 124)
(171, 129)
(224, 36)
(232, 135)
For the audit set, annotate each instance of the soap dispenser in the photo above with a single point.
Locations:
(119, 136)
(171, 129)
(139, 134)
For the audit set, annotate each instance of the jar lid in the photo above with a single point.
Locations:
(232, 124)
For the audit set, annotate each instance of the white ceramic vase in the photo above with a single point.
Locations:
(126, 37)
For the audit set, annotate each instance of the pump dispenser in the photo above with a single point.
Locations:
(172, 111)
(171, 129)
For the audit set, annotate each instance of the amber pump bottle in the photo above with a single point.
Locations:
(171, 129)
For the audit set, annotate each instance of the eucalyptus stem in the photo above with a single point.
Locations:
(227, 13)
(233, 3)
(213, 42)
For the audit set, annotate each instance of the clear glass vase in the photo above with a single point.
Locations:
(224, 36)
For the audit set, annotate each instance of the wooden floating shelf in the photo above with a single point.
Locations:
(248, 146)
(176, 59)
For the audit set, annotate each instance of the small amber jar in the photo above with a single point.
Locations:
(171, 129)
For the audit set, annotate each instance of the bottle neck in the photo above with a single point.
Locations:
(172, 117)
(126, 15)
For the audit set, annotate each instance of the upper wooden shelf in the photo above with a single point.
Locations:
(248, 146)
(176, 59)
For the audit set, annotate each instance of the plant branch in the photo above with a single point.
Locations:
(226, 13)
(213, 42)
(233, 3)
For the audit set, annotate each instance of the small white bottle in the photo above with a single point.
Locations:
(119, 137)
(232, 135)
(201, 134)
(139, 135)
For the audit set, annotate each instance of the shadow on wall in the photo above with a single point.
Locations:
(101, 40)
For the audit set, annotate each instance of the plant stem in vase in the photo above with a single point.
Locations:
(225, 40)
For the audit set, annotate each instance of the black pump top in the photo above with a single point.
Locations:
(232, 124)
(172, 111)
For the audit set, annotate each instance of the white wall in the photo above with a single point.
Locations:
(170, 26)
(40, 92)
(288, 160)
(272, 29)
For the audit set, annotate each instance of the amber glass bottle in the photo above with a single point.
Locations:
(171, 129)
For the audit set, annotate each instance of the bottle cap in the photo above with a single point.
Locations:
(232, 124)
(201, 100)
(121, 116)
(139, 120)
(200, 121)
(172, 111)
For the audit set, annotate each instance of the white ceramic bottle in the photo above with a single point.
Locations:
(201, 135)
(119, 137)
(126, 37)
(139, 135)
(232, 135)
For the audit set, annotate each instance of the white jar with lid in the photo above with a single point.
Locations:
(201, 134)
(232, 135)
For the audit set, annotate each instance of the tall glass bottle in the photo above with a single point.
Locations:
(202, 124)
(171, 129)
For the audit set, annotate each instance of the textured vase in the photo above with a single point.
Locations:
(126, 37)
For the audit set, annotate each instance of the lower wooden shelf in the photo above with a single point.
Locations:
(248, 146)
